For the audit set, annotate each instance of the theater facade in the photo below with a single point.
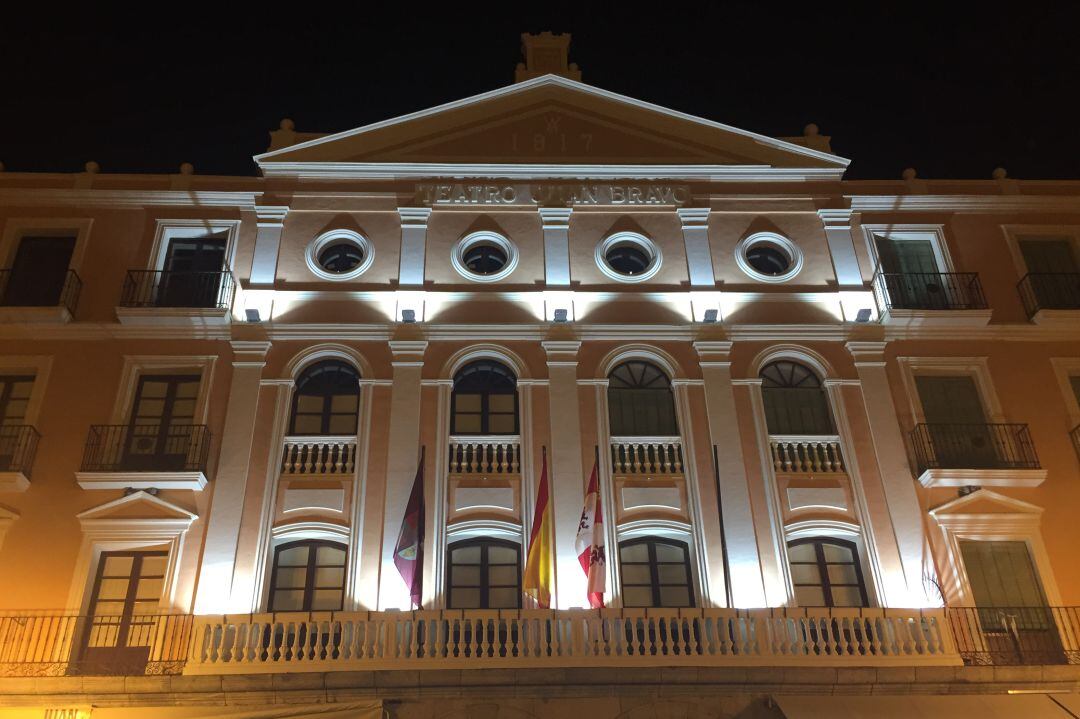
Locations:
(835, 425)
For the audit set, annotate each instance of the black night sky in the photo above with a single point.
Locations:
(954, 94)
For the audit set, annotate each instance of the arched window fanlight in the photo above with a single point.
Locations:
(484, 400)
(795, 401)
(640, 403)
(326, 400)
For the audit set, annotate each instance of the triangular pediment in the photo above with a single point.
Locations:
(983, 502)
(138, 506)
(550, 121)
(8, 514)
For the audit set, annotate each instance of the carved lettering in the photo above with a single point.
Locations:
(548, 194)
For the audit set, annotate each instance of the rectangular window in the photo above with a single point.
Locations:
(14, 398)
(39, 271)
(160, 427)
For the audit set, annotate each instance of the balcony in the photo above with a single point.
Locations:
(646, 455)
(944, 298)
(1051, 297)
(484, 477)
(27, 301)
(145, 456)
(485, 454)
(1016, 635)
(175, 297)
(985, 455)
(318, 456)
(806, 455)
(18, 445)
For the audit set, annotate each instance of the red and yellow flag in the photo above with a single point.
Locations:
(538, 567)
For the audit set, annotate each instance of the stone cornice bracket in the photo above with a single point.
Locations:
(694, 216)
(271, 215)
(555, 217)
(867, 353)
(414, 216)
(561, 352)
(408, 353)
(713, 352)
(837, 218)
(249, 353)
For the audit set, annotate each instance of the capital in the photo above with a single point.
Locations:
(414, 216)
(693, 216)
(555, 217)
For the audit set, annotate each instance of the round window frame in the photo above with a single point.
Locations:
(334, 237)
(778, 242)
(650, 248)
(471, 240)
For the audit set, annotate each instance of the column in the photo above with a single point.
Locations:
(695, 231)
(269, 229)
(226, 510)
(566, 479)
(403, 451)
(414, 222)
(747, 585)
(556, 223)
(854, 298)
(893, 467)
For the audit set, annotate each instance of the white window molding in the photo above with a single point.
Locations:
(15, 228)
(8, 517)
(37, 365)
(976, 367)
(1010, 520)
(1064, 369)
(777, 241)
(646, 245)
(110, 527)
(135, 366)
(169, 229)
(836, 529)
(935, 233)
(299, 531)
(333, 237)
(484, 237)
(1015, 233)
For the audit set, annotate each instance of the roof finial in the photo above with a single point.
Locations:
(92, 167)
(999, 173)
(546, 54)
(909, 174)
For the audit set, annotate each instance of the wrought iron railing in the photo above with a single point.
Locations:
(929, 291)
(646, 455)
(810, 454)
(1016, 635)
(56, 645)
(147, 448)
(18, 445)
(973, 446)
(170, 288)
(66, 295)
(1049, 291)
(485, 454)
(319, 455)
(1075, 434)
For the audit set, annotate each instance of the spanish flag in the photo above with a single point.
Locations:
(540, 562)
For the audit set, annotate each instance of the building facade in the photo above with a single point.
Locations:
(835, 424)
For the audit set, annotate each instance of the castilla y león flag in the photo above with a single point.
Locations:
(537, 580)
(409, 550)
(590, 542)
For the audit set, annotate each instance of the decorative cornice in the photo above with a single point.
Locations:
(835, 218)
(125, 199)
(964, 203)
(271, 215)
(694, 216)
(555, 218)
(248, 353)
(713, 351)
(867, 353)
(414, 216)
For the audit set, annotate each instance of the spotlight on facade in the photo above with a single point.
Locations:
(560, 315)
(863, 315)
(710, 315)
(408, 316)
(252, 314)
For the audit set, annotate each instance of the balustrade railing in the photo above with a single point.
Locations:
(319, 455)
(1049, 291)
(174, 288)
(929, 291)
(147, 448)
(811, 454)
(314, 642)
(973, 446)
(18, 445)
(485, 454)
(1016, 635)
(646, 455)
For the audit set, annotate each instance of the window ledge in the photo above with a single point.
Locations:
(982, 477)
(940, 318)
(178, 316)
(35, 315)
(195, 481)
(1056, 318)
(13, 482)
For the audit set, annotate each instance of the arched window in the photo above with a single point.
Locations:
(655, 573)
(308, 575)
(484, 574)
(640, 403)
(795, 401)
(825, 572)
(485, 399)
(326, 400)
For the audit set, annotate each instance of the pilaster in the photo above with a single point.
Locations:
(841, 247)
(695, 231)
(270, 226)
(556, 224)
(414, 222)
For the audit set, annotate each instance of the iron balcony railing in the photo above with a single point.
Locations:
(59, 645)
(168, 288)
(147, 448)
(973, 446)
(929, 291)
(18, 445)
(1016, 635)
(1075, 434)
(15, 291)
(1049, 291)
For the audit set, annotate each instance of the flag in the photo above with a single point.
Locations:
(537, 580)
(590, 542)
(409, 550)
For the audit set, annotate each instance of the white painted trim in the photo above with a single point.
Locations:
(135, 366)
(327, 350)
(169, 229)
(37, 365)
(982, 478)
(8, 517)
(1064, 369)
(1014, 233)
(975, 367)
(794, 353)
(645, 244)
(334, 237)
(282, 405)
(476, 352)
(14, 482)
(777, 241)
(935, 233)
(648, 353)
(965, 203)
(15, 228)
(293, 531)
(195, 481)
(483, 237)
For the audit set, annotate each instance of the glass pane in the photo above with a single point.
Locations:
(467, 424)
(330, 557)
(464, 598)
(637, 596)
(151, 407)
(673, 574)
(117, 566)
(307, 424)
(113, 589)
(502, 424)
(505, 575)
(801, 553)
(846, 597)
(809, 596)
(150, 588)
(501, 402)
(343, 424)
(16, 409)
(634, 552)
(842, 574)
(287, 600)
(142, 607)
(326, 599)
(151, 388)
(669, 553)
(674, 596)
(466, 555)
(836, 553)
(502, 555)
(805, 574)
(503, 598)
(293, 557)
(636, 574)
(467, 402)
(295, 577)
(465, 575)
(308, 403)
(344, 403)
(154, 566)
(183, 408)
(187, 390)
(106, 609)
(330, 577)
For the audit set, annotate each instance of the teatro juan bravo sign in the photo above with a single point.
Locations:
(551, 194)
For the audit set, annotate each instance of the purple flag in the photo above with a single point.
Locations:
(409, 550)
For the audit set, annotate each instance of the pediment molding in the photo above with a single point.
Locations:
(137, 509)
